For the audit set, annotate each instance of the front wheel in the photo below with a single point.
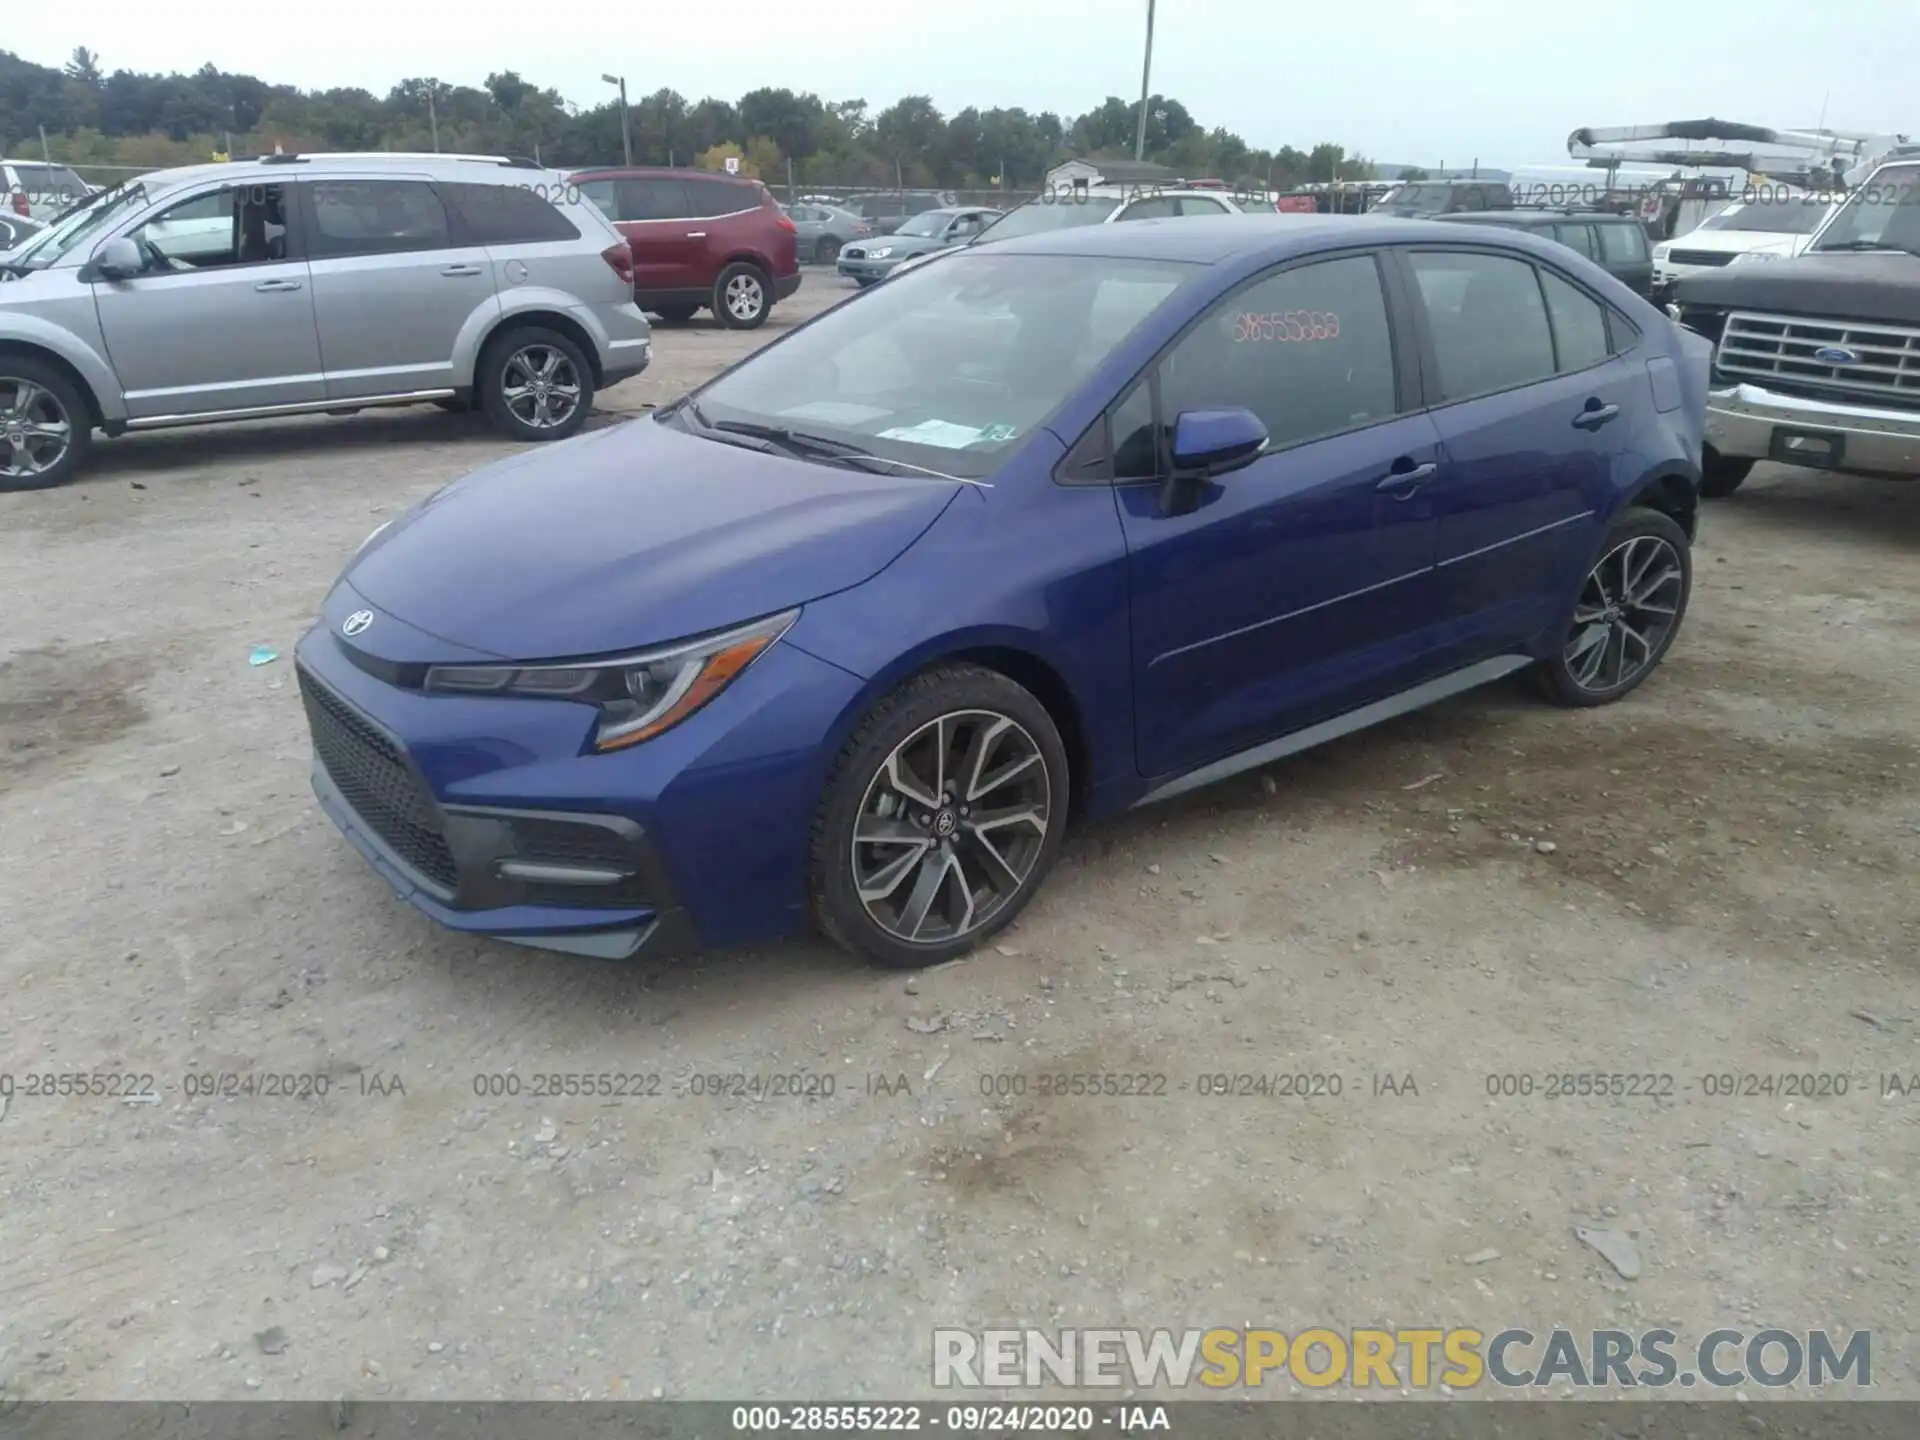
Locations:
(742, 297)
(1628, 614)
(535, 384)
(826, 250)
(942, 818)
(45, 427)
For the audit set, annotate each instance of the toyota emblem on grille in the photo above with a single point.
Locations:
(1836, 355)
(356, 623)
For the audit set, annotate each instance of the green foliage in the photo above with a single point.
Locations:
(99, 117)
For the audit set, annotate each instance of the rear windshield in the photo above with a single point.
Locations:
(45, 183)
(1036, 217)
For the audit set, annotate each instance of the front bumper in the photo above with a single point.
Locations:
(862, 268)
(494, 816)
(1748, 421)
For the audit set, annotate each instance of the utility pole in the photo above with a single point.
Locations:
(45, 154)
(626, 126)
(1146, 72)
(433, 115)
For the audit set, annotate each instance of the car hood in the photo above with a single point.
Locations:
(1881, 286)
(1735, 242)
(635, 536)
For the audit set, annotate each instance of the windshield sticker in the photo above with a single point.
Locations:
(943, 433)
(1286, 325)
(997, 434)
(836, 412)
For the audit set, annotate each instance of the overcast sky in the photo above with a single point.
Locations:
(1406, 81)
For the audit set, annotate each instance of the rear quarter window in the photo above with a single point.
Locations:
(708, 198)
(504, 215)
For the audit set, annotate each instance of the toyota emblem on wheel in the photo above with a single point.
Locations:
(356, 623)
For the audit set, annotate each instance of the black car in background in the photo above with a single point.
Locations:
(1616, 243)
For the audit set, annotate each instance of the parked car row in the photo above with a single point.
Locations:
(297, 284)
(1044, 530)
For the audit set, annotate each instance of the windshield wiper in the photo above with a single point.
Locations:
(819, 447)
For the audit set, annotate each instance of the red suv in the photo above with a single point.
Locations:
(699, 240)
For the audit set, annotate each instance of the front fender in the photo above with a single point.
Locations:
(90, 364)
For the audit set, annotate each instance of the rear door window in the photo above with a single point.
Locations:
(1487, 320)
(652, 199)
(1579, 324)
(1578, 237)
(602, 195)
(375, 217)
(1623, 244)
(1160, 207)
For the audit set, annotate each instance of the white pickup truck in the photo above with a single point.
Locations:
(1817, 357)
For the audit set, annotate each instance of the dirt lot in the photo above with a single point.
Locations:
(1715, 876)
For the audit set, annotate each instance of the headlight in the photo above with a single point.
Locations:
(1748, 257)
(879, 252)
(639, 696)
(1660, 252)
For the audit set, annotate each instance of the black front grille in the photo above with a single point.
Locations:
(1701, 257)
(377, 782)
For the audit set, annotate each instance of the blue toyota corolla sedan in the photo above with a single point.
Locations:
(1056, 527)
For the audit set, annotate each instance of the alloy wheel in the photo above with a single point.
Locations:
(35, 429)
(1626, 613)
(744, 297)
(540, 386)
(951, 826)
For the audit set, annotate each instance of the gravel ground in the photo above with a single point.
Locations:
(1713, 877)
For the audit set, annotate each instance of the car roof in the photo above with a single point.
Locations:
(1214, 239)
(657, 172)
(1519, 219)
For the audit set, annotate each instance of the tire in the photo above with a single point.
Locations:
(515, 361)
(962, 705)
(1721, 475)
(742, 296)
(46, 429)
(826, 250)
(1647, 556)
(676, 314)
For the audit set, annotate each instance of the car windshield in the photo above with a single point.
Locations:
(79, 226)
(1793, 215)
(947, 366)
(1036, 217)
(1883, 214)
(930, 222)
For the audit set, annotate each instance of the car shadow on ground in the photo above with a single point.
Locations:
(1848, 507)
(144, 454)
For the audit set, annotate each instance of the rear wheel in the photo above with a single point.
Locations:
(742, 297)
(941, 820)
(826, 250)
(1721, 475)
(1628, 614)
(535, 384)
(45, 427)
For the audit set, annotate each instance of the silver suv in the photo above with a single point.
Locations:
(296, 284)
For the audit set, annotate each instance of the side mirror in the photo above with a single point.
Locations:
(1208, 443)
(118, 259)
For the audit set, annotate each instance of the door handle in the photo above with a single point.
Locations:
(1404, 484)
(273, 287)
(696, 234)
(1594, 416)
(460, 270)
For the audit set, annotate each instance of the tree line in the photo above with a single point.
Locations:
(93, 117)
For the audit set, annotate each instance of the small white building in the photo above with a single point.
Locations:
(1070, 173)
